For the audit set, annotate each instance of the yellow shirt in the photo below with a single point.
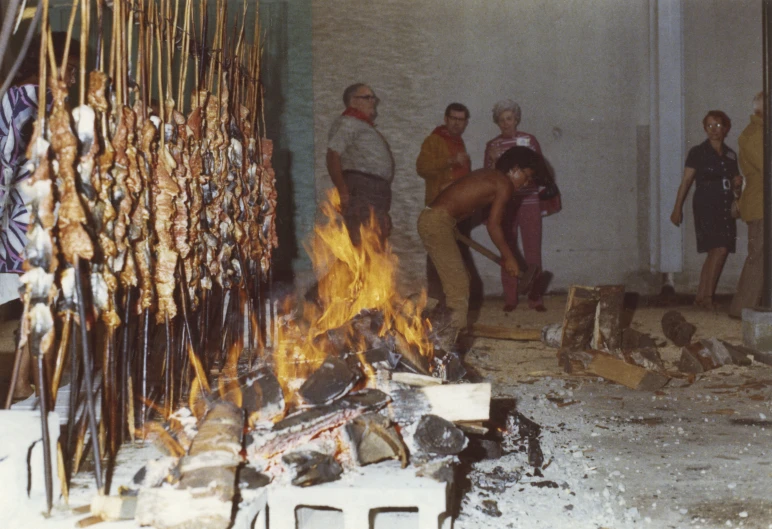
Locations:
(751, 157)
(433, 166)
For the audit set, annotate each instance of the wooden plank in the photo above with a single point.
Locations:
(631, 376)
(460, 402)
(479, 330)
(414, 379)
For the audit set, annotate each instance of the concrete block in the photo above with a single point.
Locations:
(22, 476)
(757, 329)
(252, 509)
(385, 486)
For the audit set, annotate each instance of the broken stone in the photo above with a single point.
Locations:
(632, 339)
(497, 481)
(330, 382)
(250, 478)
(703, 356)
(491, 508)
(312, 468)
(550, 334)
(447, 366)
(739, 353)
(677, 329)
(436, 435)
(373, 438)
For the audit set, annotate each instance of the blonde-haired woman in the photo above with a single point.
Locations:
(524, 212)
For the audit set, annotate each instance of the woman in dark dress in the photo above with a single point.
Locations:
(713, 166)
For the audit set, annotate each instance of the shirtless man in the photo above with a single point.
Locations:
(516, 168)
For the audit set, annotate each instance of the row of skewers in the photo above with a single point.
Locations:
(152, 208)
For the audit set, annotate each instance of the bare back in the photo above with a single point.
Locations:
(478, 189)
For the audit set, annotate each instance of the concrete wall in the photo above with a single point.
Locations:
(580, 71)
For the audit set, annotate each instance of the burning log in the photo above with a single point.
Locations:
(263, 399)
(331, 381)
(303, 426)
(372, 438)
(203, 497)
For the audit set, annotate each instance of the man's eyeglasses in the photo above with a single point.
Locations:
(369, 97)
(715, 126)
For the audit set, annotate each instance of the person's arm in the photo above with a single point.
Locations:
(335, 169)
(433, 159)
(508, 261)
(678, 214)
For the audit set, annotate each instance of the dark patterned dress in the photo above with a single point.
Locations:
(713, 196)
(17, 115)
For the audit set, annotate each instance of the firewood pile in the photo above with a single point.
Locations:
(592, 339)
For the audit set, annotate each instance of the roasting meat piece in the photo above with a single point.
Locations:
(74, 241)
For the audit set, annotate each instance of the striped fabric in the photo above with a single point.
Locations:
(18, 111)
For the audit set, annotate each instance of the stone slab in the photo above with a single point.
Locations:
(371, 488)
(757, 329)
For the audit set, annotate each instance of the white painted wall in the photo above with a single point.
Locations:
(580, 71)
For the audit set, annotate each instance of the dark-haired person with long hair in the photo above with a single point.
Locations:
(516, 168)
(713, 166)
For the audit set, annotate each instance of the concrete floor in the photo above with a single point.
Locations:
(694, 454)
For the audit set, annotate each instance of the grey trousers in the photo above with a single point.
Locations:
(367, 193)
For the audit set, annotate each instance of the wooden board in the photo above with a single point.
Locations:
(579, 318)
(505, 333)
(414, 379)
(628, 375)
(460, 402)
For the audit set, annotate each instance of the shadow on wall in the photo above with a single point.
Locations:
(274, 74)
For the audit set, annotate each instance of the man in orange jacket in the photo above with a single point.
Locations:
(443, 159)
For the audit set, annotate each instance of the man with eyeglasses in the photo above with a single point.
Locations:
(515, 169)
(442, 160)
(360, 162)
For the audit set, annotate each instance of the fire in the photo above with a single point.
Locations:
(353, 279)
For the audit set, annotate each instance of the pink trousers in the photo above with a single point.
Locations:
(526, 218)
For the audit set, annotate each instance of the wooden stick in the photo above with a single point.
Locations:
(143, 374)
(84, 10)
(87, 367)
(505, 333)
(61, 355)
(43, 402)
(70, 27)
(168, 369)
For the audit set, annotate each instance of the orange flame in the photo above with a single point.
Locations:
(353, 279)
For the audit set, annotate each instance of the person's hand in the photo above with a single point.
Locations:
(344, 199)
(511, 267)
(677, 217)
(737, 181)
